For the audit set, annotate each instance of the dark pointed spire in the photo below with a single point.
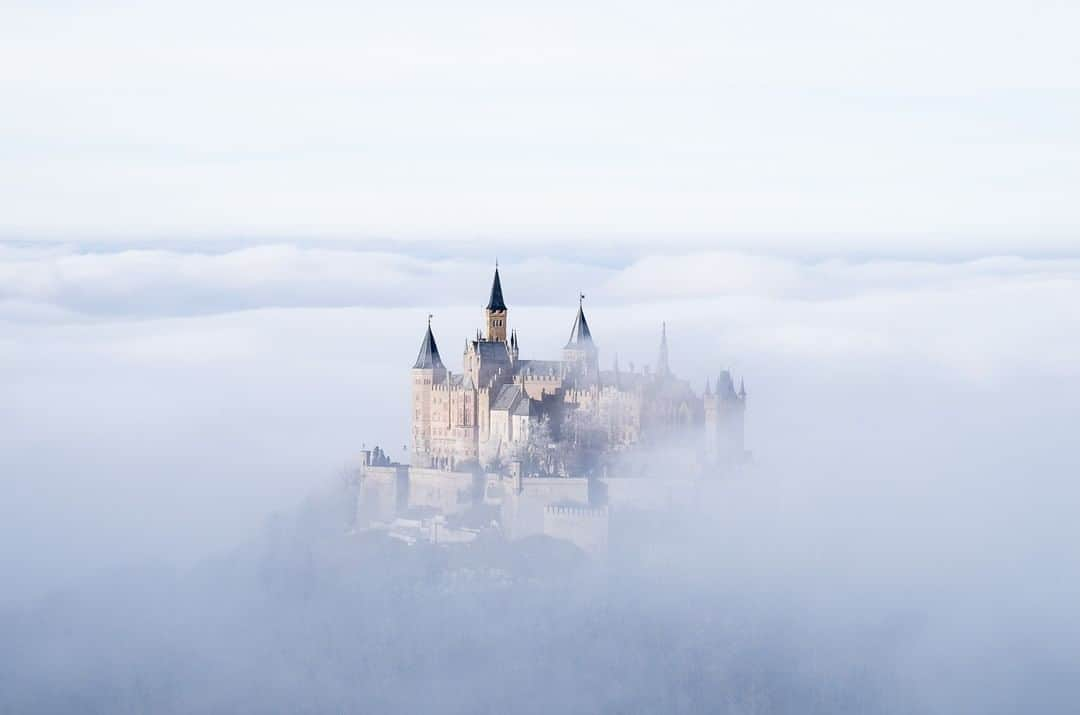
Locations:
(496, 302)
(580, 335)
(662, 361)
(428, 359)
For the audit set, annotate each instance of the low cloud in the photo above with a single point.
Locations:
(905, 531)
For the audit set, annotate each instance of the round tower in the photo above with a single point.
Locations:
(427, 371)
(580, 355)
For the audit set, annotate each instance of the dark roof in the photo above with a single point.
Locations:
(495, 302)
(538, 367)
(461, 381)
(505, 397)
(579, 333)
(522, 407)
(493, 351)
(429, 353)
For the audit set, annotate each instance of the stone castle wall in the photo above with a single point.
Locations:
(449, 492)
(524, 501)
(586, 527)
(383, 492)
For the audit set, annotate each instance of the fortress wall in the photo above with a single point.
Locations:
(383, 490)
(449, 492)
(536, 386)
(586, 527)
(523, 509)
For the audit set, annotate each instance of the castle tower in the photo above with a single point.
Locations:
(495, 312)
(580, 352)
(428, 370)
(724, 416)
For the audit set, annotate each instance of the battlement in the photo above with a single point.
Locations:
(584, 526)
(580, 511)
(539, 377)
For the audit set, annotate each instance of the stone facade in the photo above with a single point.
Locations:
(551, 445)
(486, 415)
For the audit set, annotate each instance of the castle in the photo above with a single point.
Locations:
(487, 415)
(549, 443)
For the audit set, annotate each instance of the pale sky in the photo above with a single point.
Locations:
(873, 122)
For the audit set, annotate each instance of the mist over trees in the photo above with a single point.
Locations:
(904, 542)
(304, 619)
(774, 594)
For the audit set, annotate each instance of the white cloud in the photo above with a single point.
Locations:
(166, 392)
(980, 317)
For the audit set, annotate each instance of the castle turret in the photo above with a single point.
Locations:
(580, 352)
(428, 370)
(495, 312)
(724, 412)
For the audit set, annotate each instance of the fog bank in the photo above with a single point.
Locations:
(173, 425)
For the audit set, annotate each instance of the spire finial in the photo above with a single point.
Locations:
(429, 317)
(580, 299)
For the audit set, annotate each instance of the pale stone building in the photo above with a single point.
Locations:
(484, 416)
(553, 444)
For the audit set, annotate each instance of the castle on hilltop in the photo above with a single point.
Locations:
(489, 415)
(547, 445)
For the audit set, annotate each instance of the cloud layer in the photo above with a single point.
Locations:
(903, 541)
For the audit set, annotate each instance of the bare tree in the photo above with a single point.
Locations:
(540, 452)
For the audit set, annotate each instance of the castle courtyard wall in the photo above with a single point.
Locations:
(450, 492)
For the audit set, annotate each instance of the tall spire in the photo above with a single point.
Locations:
(580, 335)
(496, 302)
(428, 359)
(662, 368)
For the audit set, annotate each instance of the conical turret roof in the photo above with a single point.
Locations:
(428, 358)
(579, 333)
(496, 302)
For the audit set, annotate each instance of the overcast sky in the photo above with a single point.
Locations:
(838, 124)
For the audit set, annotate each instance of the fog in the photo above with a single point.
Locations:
(174, 426)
